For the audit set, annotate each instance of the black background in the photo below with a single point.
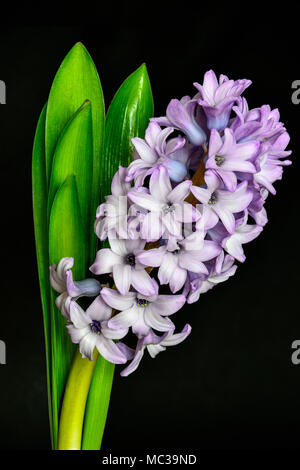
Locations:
(231, 384)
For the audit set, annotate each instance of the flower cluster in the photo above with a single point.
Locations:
(176, 221)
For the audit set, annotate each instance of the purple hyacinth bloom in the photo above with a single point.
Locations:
(154, 345)
(90, 329)
(196, 246)
(244, 233)
(269, 162)
(259, 123)
(112, 215)
(221, 202)
(226, 157)
(141, 312)
(166, 206)
(190, 255)
(221, 271)
(256, 207)
(121, 260)
(156, 150)
(181, 114)
(217, 98)
(61, 279)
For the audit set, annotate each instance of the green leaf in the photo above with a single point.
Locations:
(66, 238)
(128, 116)
(77, 80)
(74, 156)
(97, 405)
(39, 196)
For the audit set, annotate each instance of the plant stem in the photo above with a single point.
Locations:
(74, 402)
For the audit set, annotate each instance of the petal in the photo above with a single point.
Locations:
(144, 200)
(63, 304)
(104, 262)
(215, 143)
(110, 333)
(152, 133)
(117, 301)
(168, 304)
(168, 265)
(99, 310)
(87, 345)
(78, 316)
(143, 283)
(119, 187)
(126, 350)
(226, 217)
(203, 195)
(77, 334)
(141, 329)
(152, 226)
(210, 250)
(58, 284)
(156, 321)
(118, 246)
(180, 192)
(134, 363)
(145, 152)
(189, 261)
(172, 225)
(160, 185)
(124, 319)
(86, 287)
(178, 279)
(186, 212)
(174, 339)
(212, 180)
(152, 257)
(234, 247)
(109, 350)
(122, 274)
(237, 201)
(229, 179)
(63, 266)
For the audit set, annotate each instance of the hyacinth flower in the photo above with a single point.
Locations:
(90, 329)
(61, 279)
(218, 97)
(181, 115)
(156, 149)
(174, 214)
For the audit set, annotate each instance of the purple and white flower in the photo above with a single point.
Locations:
(140, 312)
(156, 150)
(181, 114)
(154, 345)
(217, 98)
(112, 215)
(243, 153)
(221, 271)
(90, 329)
(121, 260)
(61, 279)
(227, 157)
(223, 203)
(190, 255)
(166, 206)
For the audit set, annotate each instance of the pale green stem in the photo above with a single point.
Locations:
(74, 402)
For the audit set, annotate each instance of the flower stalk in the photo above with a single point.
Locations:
(74, 403)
